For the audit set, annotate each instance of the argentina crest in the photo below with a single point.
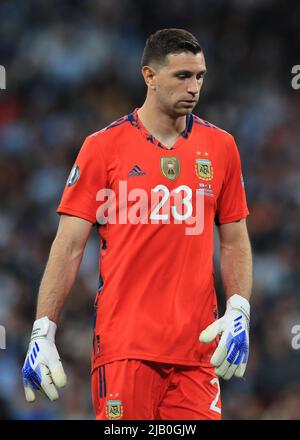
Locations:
(114, 409)
(204, 169)
(170, 167)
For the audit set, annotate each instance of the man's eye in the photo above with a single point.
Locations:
(182, 76)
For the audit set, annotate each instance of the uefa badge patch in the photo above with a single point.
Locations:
(204, 169)
(74, 175)
(114, 409)
(242, 180)
(170, 167)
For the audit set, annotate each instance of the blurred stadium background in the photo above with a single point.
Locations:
(73, 67)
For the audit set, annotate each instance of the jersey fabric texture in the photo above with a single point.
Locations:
(161, 392)
(156, 286)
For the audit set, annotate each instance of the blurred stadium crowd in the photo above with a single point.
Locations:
(73, 67)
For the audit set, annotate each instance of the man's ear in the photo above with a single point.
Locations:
(149, 74)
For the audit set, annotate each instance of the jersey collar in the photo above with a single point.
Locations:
(136, 122)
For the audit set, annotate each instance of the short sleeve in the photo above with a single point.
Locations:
(232, 203)
(87, 177)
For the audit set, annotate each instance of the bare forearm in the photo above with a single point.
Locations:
(58, 278)
(236, 267)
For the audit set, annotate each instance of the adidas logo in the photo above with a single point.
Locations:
(136, 171)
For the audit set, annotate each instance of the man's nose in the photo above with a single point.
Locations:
(194, 87)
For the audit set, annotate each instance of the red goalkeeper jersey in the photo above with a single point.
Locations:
(155, 210)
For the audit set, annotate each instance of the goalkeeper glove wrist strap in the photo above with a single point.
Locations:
(43, 328)
(238, 302)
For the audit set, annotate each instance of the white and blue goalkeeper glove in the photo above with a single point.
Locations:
(43, 370)
(231, 356)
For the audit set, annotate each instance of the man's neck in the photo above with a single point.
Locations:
(162, 126)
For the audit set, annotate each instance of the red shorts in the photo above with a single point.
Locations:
(142, 390)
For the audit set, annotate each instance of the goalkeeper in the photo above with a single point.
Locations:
(159, 347)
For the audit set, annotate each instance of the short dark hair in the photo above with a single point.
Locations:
(166, 41)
